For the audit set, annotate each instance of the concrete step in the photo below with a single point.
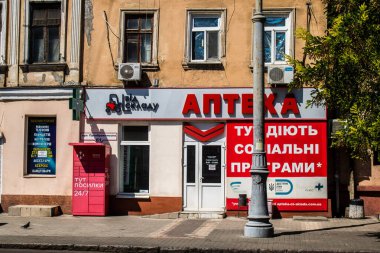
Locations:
(310, 218)
(202, 215)
(174, 215)
(33, 211)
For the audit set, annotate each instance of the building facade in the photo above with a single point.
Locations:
(167, 85)
(40, 61)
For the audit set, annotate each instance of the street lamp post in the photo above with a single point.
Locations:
(258, 224)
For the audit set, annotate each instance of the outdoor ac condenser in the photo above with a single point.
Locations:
(129, 72)
(280, 74)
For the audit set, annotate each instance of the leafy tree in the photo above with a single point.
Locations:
(344, 67)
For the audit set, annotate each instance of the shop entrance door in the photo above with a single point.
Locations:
(204, 176)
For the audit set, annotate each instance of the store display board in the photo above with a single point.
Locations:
(297, 164)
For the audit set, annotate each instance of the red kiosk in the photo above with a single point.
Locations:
(91, 166)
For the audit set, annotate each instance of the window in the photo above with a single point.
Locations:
(139, 37)
(205, 37)
(135, 149)
(45, 25)
(277, 38)
(41, 146)
(3, 27)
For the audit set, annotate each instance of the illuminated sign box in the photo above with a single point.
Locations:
(199, 104)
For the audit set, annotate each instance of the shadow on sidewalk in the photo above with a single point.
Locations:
(376, 235)
(326, 229)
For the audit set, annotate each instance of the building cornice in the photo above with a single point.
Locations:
(19, 94)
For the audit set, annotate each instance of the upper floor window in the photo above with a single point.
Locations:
(277, 38)
(205, 36)
(205, 41)
(138, 38)
(45, 25)
(1, 22)
(2, 30)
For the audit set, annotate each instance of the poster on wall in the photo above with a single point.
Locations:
(41, 152)
(296, 159)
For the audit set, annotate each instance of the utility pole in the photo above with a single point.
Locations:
(258, 224)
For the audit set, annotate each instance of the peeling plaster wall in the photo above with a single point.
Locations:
(88, 20)
(51, 78)
(2, 80)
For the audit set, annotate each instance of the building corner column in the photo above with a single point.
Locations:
(76, 27)
(14, 42)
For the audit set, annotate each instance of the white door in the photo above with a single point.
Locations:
(204, 176)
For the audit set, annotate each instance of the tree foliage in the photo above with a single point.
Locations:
(344, 67)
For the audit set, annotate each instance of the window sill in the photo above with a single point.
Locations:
(43, 67)
(39, 176)
(3, 69)
(122, 195)
(145, 67)
(217, 65)
(150, 67)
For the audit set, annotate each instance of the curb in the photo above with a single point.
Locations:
(135, 249)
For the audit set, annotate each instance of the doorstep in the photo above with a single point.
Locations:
(33, 211)
(174, 215)
(310, 218)
(202, 215)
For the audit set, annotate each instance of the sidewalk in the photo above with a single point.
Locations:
(131, 234)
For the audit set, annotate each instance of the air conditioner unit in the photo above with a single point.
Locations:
(280, 74)
(129, 71)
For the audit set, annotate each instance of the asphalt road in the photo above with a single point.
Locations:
(39, 251)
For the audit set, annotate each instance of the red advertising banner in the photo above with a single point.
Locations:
(297, 162)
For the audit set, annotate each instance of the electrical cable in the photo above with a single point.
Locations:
(108, 39)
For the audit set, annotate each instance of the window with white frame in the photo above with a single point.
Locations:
(139, 37)
(277, 37)
(205, 37)
(135, 151)
(3, 26)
